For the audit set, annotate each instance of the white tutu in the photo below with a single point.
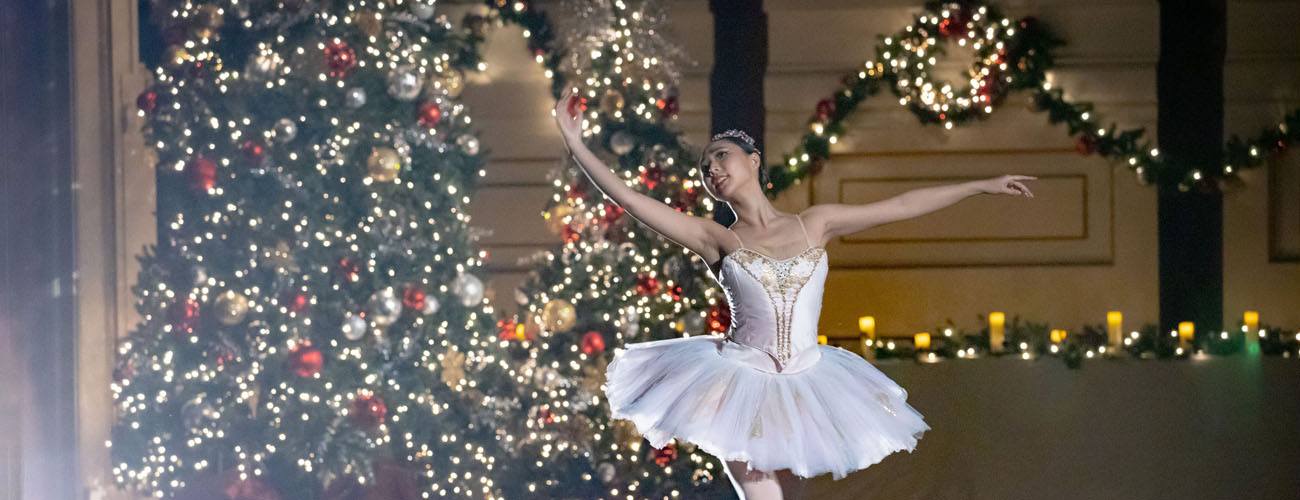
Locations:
(828, 411)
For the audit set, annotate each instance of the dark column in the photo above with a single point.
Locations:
(36, 259)
(1189, 84)
(739, 65)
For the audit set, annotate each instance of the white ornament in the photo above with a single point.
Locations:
(385, 306)
(356, 97)
(354, 327)
(469, 288)
(404, 83)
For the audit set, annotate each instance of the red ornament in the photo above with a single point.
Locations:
(368, 410)
(184, 315)
(824, 109)
(676, 292)
(954, 24)
(666, 455)
(305, 360)
(647, 285)
(543, 415)
(350, 268)
(341, 59)
(571, 235)
(414, 298)
(612, 212)
(668, 106)
(296, 302)
(429, 114)
(1086, 144)
(253, 150)
(147, 101)
(719, 318)
(593, 342)
(202, 173)
(506, 329)
(651, 176)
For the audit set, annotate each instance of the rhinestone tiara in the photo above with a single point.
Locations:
(740, 134)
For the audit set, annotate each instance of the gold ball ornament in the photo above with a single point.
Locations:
(555, 217)
(559, 315)
(612, 101)
(453, 368)
(210, 16)
(176, 55)
(231, 307)
(450, 82)
(369, 22)
(384, 164)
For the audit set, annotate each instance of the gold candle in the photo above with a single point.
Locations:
(1251, 318)
(997, 330)
(1058, 335)
(867, 337)
(921, 340)
(867, 325)
(1115, 328)
(821, 339)
(1186, 332)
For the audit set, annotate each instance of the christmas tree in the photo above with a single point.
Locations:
(311, 315)
(613, 281)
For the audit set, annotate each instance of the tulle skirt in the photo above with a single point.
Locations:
(837, 413)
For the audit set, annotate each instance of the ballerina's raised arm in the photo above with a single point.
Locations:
(691, 232)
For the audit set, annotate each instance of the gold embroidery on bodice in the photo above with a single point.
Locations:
(782, 279)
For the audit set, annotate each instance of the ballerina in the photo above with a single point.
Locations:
(769, 401)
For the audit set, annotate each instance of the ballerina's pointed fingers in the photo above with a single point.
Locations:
(1021, 189)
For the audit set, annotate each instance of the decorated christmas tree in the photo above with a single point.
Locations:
(311, 316)
(613, 281)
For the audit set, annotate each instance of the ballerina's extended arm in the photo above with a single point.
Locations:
(841, 219)
(685, 230)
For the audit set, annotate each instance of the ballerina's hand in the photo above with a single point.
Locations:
(1006, 184)
(568, 115)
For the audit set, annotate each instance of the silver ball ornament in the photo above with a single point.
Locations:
(385, 306)
(355, 97)
(421, 9)
(354, 327)
(285, 130)
(431, 305)
(621, 143)
(404, 83)
(469, 144)
(469, 288)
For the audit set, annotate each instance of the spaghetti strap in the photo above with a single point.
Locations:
(805, 230)
(737, 235)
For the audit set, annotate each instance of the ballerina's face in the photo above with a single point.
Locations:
(726, 169)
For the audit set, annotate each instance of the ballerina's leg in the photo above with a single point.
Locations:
(753, 484)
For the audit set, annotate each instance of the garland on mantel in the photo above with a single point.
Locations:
(1033, 340)
(1008, 56)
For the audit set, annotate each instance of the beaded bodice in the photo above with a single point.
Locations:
(775, 303)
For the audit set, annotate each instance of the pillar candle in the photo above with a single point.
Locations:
(1251, 319)
(1115, 328)
(997, 330)
(922, 340)
(1186, 332)
(867, 336)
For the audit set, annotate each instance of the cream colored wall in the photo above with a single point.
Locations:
(1084, 245)
(1262, 83)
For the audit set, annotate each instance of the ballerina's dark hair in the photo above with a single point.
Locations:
(746, 144)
